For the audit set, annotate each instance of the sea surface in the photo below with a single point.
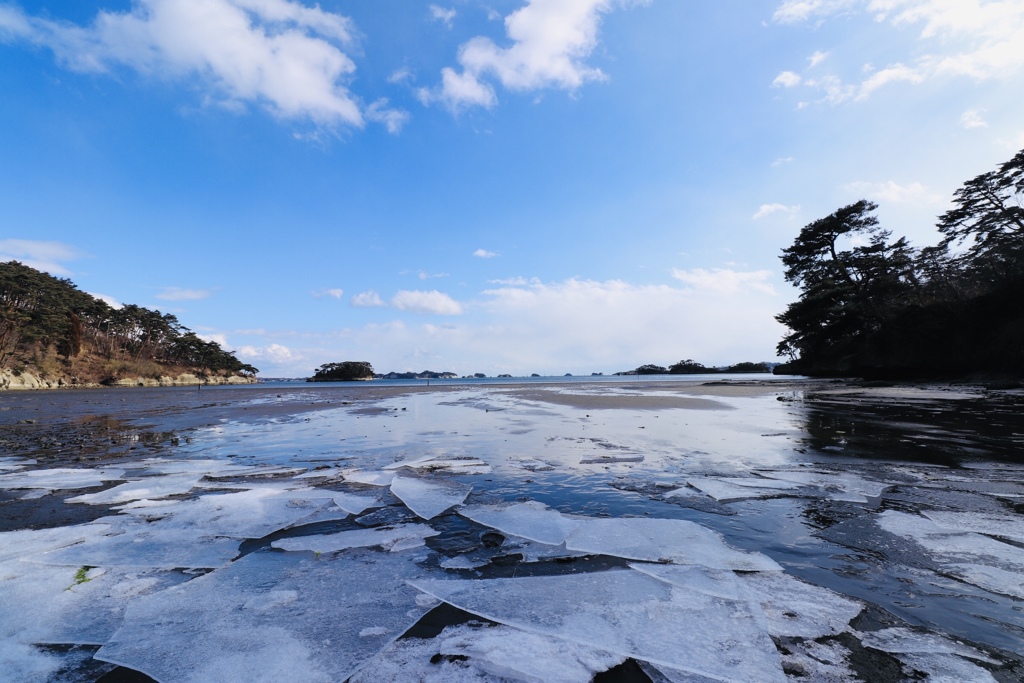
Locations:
(830, 531)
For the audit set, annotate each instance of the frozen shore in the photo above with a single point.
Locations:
(817, 531)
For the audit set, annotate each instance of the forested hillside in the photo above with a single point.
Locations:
(52, 329)
(874, 306)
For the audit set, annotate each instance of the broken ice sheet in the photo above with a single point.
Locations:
(354, 503)
(844, 486)
(271, 617)
(145, 545)
(396, 538)
(453, 465)
(663, 540)
(211, 468)
(148, 488)
(429, 497)
(729, 489)
(532, 520)
(68, 604)
(370, 478)
(1007, 526)
(30, 542)
(790, 607)
(629, 614)
(601, 458)
(937, 656)
(59, 479)
(252, 513)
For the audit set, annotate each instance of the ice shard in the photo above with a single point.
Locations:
(149, 488)
(271, 617)
(627, 613)
(429, 497)
(401, 537)
(531, 520)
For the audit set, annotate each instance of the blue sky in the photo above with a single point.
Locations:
(504, 186)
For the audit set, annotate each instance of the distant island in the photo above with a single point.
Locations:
(875, 307)
(52, 334)
(692, 367)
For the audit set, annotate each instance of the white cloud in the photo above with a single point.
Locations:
(108, 300)
(274, 353)
(424, 275)
(973, 118)
(336, 293)
(782, 161)
(891, 191)
(978, 39)
(786, 79)
(401, 75)
(446, 16)
(432, 302)
(392, 119)
(483, 253)
(816, 59)
(766, 210)
(516, 281)
(550, 41)
(41, 255)
(279, 54)
(180, 294)
(725, 280)
(215, 337)
(367, 299)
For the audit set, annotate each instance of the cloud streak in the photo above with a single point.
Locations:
(42, 255)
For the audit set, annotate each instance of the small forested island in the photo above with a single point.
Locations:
(875, 307)
(692, 367)
(52, 334)
(346, 371)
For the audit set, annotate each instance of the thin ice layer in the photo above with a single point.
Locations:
(790, 607)
(457, 465)
(271, 617)
(60, 478)
(26, 543)
(148, 488)
(145, 545)
(841, 486)
(53, 604)
(429, 497)
(905, 640)
(370, 478)
(401, 537)
(629, 614)
(353, 503)
(663, 540)
(1007, 526)
(532, 520)
(210, 467)
(523, 656)
(727, 490)
(244, 514)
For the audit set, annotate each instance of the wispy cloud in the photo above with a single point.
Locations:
(787, 79)
(442, 14)
(181, 294)
(367, 299)
(41, 255)
(483, 253)
(973, 118)
(424, 275)
(896, 193)
(431, 302)
(275, 353)
(766, 210)
(278, 54)
(335, 293)
(782, 161)
(726, 280)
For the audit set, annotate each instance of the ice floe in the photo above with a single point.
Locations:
(25, 543)
(60, 478)
(271, 617)
(148, 488)
(1007, 526)
(729, 489)
(251, 513)
(844, 486)
(663, 540)
(370, 478)
(401, 537)
(531, 519)
(938, 657)
(452, 465)
(974, 558)
(627, 613)
(429, 497)
(54, 604)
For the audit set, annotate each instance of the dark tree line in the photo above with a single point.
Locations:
(345, 371)
(872, 305)
(39, 311)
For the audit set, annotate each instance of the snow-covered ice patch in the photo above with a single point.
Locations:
(60, 478)
(149, 488)
(1007, 526)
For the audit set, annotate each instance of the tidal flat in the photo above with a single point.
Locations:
(686, 530)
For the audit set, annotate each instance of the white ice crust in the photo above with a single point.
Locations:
(401, 537)
(429, 497)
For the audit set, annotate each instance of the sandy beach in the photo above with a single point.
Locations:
(819, 531)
